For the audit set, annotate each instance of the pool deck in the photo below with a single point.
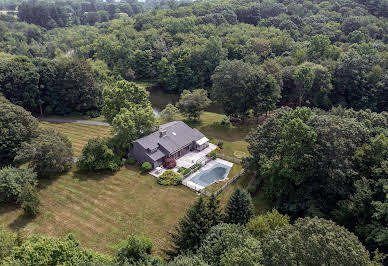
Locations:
(187, 181)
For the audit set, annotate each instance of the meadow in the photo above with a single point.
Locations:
(102, 209)
(79, 134)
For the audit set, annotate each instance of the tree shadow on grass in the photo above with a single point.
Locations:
(83, 175)
(21, 222)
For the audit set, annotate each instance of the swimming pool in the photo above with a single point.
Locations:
(217, 172)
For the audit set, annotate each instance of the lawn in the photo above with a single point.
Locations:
(233, 136)
(79, 134)
(102, 209)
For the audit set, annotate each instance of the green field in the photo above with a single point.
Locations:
(101, 209)
(79, 134)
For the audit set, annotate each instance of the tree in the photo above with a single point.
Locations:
(169, 113)
(29, 200)
(16, 126)
(48, 96)
(313, 241)
(7, 242)
(12, 181)
(48, 154)
(98, 155)
(124, 94)
(191, 230)
(239, 208)
(213, 211)
(230, 244)
(135, 251)
(261, 225)
(133, 123)
(19, 80)
(77, 86)
(231, 87)
(40, 251)
(304, 79)
(192, 104)
(167, 75)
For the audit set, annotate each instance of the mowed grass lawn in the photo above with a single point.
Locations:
(233, 137)
(103, 208)
(79, 134)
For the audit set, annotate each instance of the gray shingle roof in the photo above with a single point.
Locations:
(178, 135)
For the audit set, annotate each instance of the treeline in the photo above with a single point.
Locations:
(326, 164)
(316, 54)
(66, 13)
(61, 86)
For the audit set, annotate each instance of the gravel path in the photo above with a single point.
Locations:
(86, 122)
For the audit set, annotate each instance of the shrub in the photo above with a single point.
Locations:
(146, 166)
(12, 181)
(93, 114)
(186, 171)
(169, 163)
(130, 161)
(252, 189)
(29, 200)
(213, 154)
(170, 177)
(220, 144)
(98, 155)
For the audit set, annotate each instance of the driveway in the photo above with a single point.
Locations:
(86, 122)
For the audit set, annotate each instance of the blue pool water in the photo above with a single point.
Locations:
(214, 173)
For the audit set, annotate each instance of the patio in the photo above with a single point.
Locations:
(186, 161)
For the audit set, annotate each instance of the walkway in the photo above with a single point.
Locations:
(86, 122)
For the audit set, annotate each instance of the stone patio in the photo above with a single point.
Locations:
(186, 161)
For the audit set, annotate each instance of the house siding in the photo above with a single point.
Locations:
(139, 153)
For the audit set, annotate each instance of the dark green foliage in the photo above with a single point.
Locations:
(98, 155)
(213, 211)
(12, 181)
(239, 208)
(170, 177)
(192, 228)
(19, 80)
(29, 200)
(146, 166)
(136, 251)
(16, 126)
(313, 241)
(192, 104)
(42, 251)
(130, 161)
(263, 224)
(335, 167)
(229, 244)
(48, 154)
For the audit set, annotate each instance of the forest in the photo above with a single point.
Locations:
(310, 78)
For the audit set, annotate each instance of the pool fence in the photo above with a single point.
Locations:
(228, 158)
(228, 183)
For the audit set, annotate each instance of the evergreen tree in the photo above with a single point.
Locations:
(192, 228)
(239, 208)
(213, 211)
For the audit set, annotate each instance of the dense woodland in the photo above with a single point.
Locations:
(313, 73)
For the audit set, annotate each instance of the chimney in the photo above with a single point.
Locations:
(162, 133)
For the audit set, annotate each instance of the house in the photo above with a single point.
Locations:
(173, 139)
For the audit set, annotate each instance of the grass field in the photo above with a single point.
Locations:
(78, 133)
(233, 136)
(102, 209)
